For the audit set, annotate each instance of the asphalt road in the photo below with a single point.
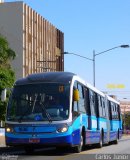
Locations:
(120, 151)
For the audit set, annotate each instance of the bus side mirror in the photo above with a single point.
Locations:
(76, 95)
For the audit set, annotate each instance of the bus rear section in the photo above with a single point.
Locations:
(101, 117)
(115, 120)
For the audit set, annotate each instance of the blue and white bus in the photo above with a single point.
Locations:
(62, 110)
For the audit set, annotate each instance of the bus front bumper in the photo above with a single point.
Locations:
(60, 141)
(67, 140)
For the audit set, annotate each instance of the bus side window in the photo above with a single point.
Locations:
(113, 110)
(103, 107)
(116, 113)
(75, 106)
(100, 106)
(96, 104)
(92, 98)
(118, 110)
(109, 109)
(79, 106)
(75, 109)
(81, 103)
(87, 101)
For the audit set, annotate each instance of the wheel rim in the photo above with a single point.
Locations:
(81, 142)
(101, 140)
(80, 146)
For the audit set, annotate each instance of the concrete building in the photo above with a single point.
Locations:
(125, 106)
(37, 43)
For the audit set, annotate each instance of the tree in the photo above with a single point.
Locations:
(7, 75)
(6, 53)
(126, 120)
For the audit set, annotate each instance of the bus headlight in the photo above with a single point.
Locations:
(62, 129)
(9, 129)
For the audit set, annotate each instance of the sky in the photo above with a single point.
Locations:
(88, 26)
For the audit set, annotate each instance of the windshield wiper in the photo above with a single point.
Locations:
(22, 116)
(47, 114)
(43, 108)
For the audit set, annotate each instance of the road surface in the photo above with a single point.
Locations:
(114, 152)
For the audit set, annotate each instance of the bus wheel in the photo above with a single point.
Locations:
(79, 148)
(29, 150)
(117, 138)
(100, 144)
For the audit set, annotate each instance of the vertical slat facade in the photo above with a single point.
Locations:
(43, 44)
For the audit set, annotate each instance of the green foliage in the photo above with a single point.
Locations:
(7, 75)
(2, 110)
(6, 53)
(126, 120)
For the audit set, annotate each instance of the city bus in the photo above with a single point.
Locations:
(60, 109)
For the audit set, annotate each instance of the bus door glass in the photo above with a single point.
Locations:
(78, 105)
(88, 109)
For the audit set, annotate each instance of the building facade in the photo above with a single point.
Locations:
(37, 43)
(125, 106)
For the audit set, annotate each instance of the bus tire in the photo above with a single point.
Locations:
(79, 148)
(117, 138)
(100, 144)
(29, 150)
(60, 149)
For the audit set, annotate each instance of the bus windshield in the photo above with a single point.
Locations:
(39, 102)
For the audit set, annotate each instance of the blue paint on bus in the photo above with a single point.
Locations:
(42, 111)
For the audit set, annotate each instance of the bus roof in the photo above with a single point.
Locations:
(55, 77)
(95, 89)
(63, 77)
(76, 77)
(112, 99)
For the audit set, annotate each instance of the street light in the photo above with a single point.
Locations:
(78, 55)
(94, 55)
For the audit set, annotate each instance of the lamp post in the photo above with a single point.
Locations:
(96, 54)
(78, 55)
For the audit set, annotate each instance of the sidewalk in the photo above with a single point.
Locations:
(2, 137)
(2, 141)
(125, 135)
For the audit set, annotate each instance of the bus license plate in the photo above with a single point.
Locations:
(34, 140)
